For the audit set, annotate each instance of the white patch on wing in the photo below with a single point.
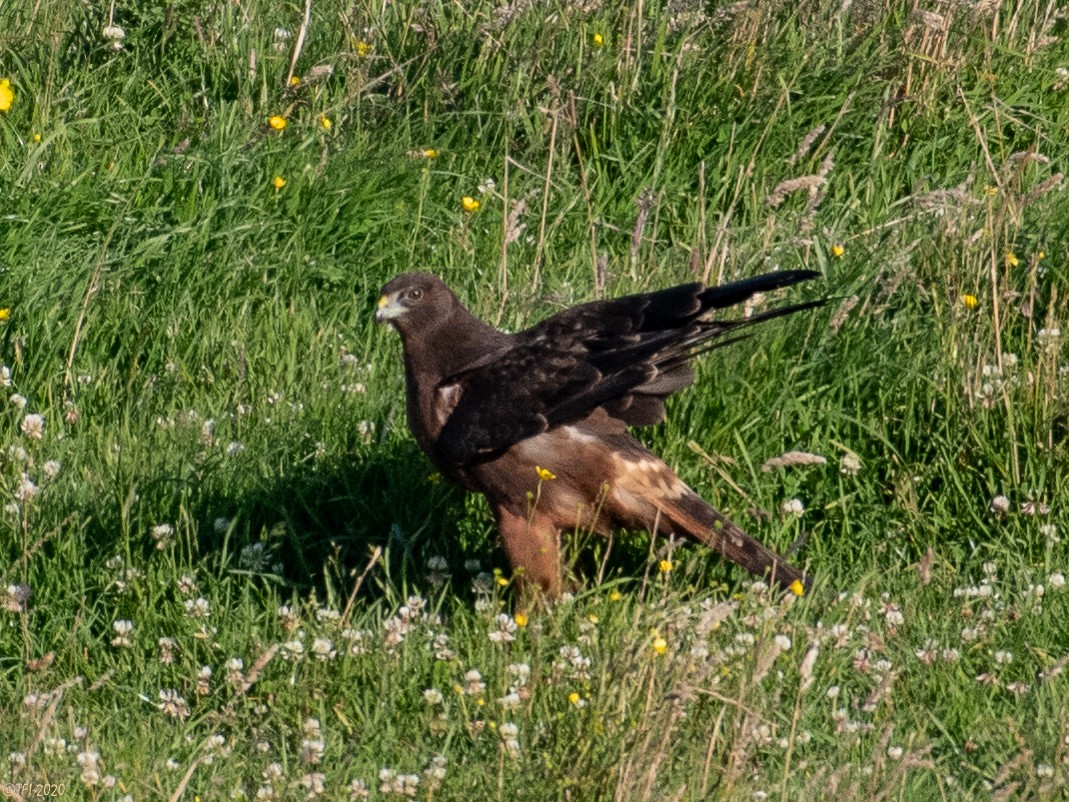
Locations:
(448, 398)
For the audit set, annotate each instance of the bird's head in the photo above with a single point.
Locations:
(414, 300)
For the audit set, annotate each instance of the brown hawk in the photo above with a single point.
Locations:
(537, 421)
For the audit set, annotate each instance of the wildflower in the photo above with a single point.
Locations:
(26, 489)
(544, 474)
(122, 628)
(430, 153)
(432, 696)
(363, 49)
(599, 40)
(5, 314)
(793, 507)
(1011, 259)
(52, 468)
(473, 683)
(7, 96)
(506, 628)
(1000, 505)
(325, 122)
(574, 698)
(1040, 256)
(172, 704)
(278, 182)
(797, 588)
(469, 203)
(615, 596)
(323, 649)
(665, 566)
(1003, 658)
(278, 122)
(114, 34)
(1057, 581)
(19, 400)
(295, 81)
(991, 191)
(837, 250)
(167, 647)
(894, 752)
(660, 645)
(969, 301)
(487, 186)
(162, 534)
(520, 619)
(33, 426)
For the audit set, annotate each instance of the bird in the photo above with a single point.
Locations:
(538, 420)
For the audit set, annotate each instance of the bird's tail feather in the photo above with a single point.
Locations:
(693, 516)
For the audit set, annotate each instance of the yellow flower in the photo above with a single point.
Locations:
(434, 478)
(278, 182)
(278, 122)
(7, 95)
(37, 138)
(324, 122)
(520, 619)
(665, 566)
(797, 588)
(599, 40)
(5, 314)
(294, 80)
(660, 645)
(969, 301)
(430, 153)
(574, 698)
(593, 619)
(615, 596)
(1040, 255)
(363, 49)
(469, 203)
(502, 582)
(992, 191)
(544, 474)
(1011, 259)
(837, 250)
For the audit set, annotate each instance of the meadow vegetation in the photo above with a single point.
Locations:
(226, 571)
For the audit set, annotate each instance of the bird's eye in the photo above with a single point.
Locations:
(415, 293)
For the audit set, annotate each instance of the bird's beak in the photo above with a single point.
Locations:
(388, 309)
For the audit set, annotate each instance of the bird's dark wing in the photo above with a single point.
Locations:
(625, 355)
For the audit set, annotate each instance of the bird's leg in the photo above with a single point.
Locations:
(532, 543)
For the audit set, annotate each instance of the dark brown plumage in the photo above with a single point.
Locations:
(496, 411)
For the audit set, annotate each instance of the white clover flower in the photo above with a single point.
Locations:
(19, 400)
(793, 507)
(1056, 581)
(5, 376)
(895, 752)
(1000, 505)
(312, 751)
(1003, 657)
(52, 468)
(123, 628)
(510, 701)
(473, 683)
(33, 426)
(433, 696)
(172, 704)
(26, 489)
(850, 465)
(323, 649)
(782, 642)
(198, 608)
(505, 631)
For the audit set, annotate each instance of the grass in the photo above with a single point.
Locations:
(224, 462)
